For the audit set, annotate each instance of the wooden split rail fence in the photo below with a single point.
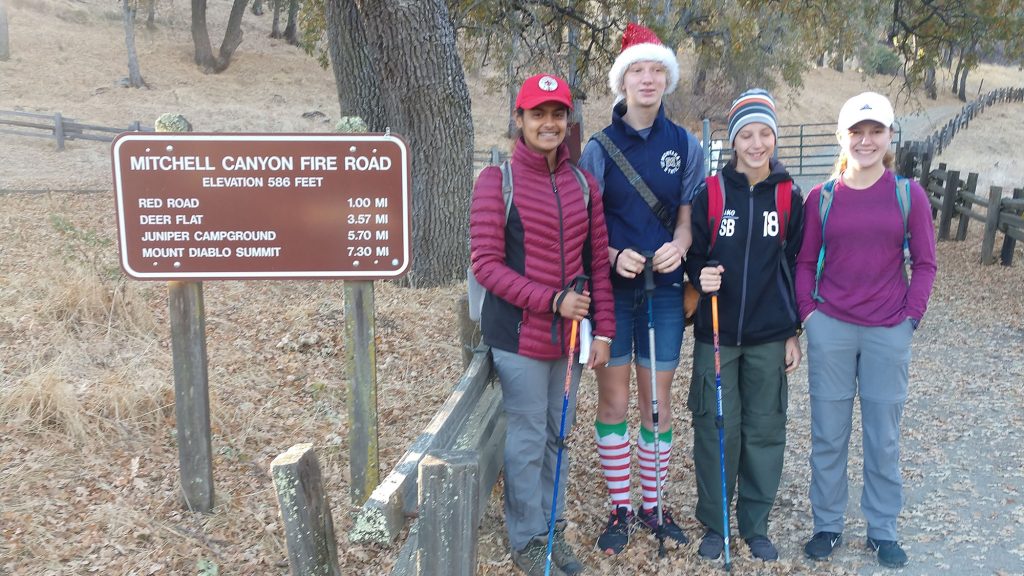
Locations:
(952, 197)
(59, 128)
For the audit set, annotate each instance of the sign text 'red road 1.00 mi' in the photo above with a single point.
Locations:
(196, 206)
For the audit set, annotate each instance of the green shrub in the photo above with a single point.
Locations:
(880, 59)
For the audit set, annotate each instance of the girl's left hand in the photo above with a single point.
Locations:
(600, 353)
(793, 354)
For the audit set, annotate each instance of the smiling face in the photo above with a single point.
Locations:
(865, 144)
(544, 127)
(754, 146)
(644, 83)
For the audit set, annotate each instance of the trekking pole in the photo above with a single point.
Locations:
(577, 286)
(720, 422)
(649, 291)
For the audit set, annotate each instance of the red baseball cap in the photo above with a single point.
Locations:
(543, 88)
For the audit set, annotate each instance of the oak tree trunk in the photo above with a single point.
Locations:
(404, 51)
(291, 30)
(930, 88)
(128, 10)
(204, 56)
(275, 28)
(5, 45)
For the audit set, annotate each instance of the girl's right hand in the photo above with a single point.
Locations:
(711, 279)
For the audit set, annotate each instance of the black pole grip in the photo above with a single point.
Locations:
(648, 271)
(578, 283)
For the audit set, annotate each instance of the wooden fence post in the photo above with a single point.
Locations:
(306, 513)
(469, 331)
(1009, 242)
(949, 198)
(361, 359)
(449, 514)
(58, 130)
(965, 217)
(988, 240)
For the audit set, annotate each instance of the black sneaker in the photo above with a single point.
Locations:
(670, 529)
(711, 546)
(616, 534)
(762, 548)
(890, 554)
(563, 556)
(822, 544)
(532, 559)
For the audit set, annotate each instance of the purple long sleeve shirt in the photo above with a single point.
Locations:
(862, 281)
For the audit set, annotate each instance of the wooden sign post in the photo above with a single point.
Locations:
(193, 207)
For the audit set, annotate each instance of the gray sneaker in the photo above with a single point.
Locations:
(563, 556)
(532, 559)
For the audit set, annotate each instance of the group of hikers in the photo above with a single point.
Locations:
(615, 245)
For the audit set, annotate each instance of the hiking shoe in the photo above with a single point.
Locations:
(563, 556)
(762, 548)
(890, 554)
(821, 545)
(670, 529)
(711, 546)
(532, 559)
(616, 533)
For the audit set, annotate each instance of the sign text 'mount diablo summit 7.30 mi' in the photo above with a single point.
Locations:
(196, 206)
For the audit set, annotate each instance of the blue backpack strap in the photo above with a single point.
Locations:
(903, 198)
(824, 206)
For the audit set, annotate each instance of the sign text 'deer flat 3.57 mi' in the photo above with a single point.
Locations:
(196, 206)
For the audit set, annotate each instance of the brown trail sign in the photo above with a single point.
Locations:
(194, 206)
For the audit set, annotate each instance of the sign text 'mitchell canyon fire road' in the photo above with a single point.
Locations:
(196, 206)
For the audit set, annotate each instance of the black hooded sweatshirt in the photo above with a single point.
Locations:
(756, 303)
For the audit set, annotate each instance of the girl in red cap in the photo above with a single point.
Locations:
(527, 250)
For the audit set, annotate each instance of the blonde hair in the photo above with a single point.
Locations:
(889, 160)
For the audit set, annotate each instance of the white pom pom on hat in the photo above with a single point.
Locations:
(641, 44)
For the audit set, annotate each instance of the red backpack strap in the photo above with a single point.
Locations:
(783, 205)
(716, 206)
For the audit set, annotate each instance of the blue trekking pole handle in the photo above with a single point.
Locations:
(720, 423)
(577, 287)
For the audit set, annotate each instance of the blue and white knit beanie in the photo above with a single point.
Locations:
(754, 105)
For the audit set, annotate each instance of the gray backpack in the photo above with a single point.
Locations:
(477, 292)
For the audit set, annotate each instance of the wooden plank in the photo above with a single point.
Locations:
(469, 331)
(966, 212)
(361, 362)
(383, 515)
(965, 220)
(988, 239)
(306, 513)
(1011, 229)
(58, 130)
(949, 196)
(191, 393)
(449, 506)
(484, 433)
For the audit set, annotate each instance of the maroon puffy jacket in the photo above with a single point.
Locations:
(525, 263)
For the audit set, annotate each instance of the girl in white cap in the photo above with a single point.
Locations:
(527, 247)
(860, 312)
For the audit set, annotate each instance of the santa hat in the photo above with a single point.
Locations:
(641, 44)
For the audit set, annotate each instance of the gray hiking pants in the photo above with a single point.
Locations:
(845, 360)
(532, 395)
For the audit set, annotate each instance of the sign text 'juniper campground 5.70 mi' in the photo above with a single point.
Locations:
(194, 206)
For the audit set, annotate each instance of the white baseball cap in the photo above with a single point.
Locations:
(866, 106)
